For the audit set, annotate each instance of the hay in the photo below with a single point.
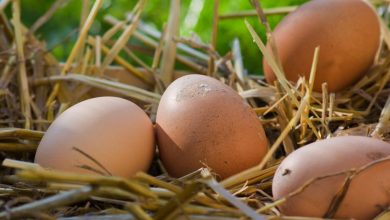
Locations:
(35, 88)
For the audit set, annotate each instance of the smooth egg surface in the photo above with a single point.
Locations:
(113, 131)
(347, 32)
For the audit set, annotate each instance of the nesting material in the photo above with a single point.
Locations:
(35, 89)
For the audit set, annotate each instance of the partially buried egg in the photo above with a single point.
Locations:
(367, 194)
(202, 122)
(347, 32)
(113, 131)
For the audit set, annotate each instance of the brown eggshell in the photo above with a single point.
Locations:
(369, 193)
(202, 122)
(327, 157)
(348, 33)
(366, 196)
(114, 131)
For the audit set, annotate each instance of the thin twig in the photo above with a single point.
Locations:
(169, 50)
(55, 201)
(253, 13)
(22, 75)
(76, 49)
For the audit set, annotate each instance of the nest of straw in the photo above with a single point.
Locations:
(35, 88)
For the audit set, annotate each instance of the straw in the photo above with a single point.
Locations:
(35, 88)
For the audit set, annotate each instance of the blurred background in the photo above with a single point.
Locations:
(195, 20)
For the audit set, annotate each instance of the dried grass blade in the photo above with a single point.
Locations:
(138, 212)
(84, 12)
(7, 133)
(121, 88)
(173, 207)
(16, 164)
(180, 46)
(332, 99)
(123, 39)
(253, 13)
(154, 44)
(77, 47)
(238, 61)
(276, 104)
(384, 121)
(305, 116)
(270, 59)
(55, 201)
(117, 26)
(209, 181)
(18, 147)
(382, 85)
(156, 182)
(7, 73)
(169, 50)
(98, 51)
(100, 217)
(22, 74)
(268, 31)
(214, 35)
(338, 198)
(133, 70)
(325, 98)
(385, 32)
(34, 173)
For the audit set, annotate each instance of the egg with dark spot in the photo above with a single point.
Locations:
(202, 122)
(367, 194)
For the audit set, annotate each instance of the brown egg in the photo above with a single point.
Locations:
(113, 131)
(202, 122)
(367, 194)
(348, 33)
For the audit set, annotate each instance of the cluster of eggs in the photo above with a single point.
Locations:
(318, 177)
(202, 122)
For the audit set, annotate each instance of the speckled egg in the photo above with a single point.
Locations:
(202, 122)
(367, 194)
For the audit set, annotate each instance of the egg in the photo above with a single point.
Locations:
(347, 32)
(113, 131)
(367, 194)
(202, 122)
